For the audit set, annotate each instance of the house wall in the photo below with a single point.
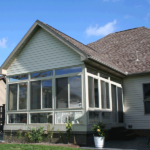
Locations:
(2, 92)
(42, 52)
(133, 102)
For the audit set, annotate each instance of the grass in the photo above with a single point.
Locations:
(32, 147)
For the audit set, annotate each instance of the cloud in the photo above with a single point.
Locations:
(103, 30)
(3, 43)
(147, 18)
(127, 16)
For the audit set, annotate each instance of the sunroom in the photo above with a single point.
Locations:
(82, 94)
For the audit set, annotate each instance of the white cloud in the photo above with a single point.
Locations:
(3, 43)
(127, 16)
(103, 30)
(147, 18)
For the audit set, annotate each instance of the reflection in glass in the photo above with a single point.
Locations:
(90, 91)
(105, 95)
(18, 77)
(75, 91)
(12, 103)
(47, 93)
(41, 74)
(96, 93)
(23, 96)
(68, 70)
(93, 117)
(114, 103)
(103, 75)
(17, 118)
(41, 117)
(64, 117)
(35, 101)
(106, 117)
(62, 93)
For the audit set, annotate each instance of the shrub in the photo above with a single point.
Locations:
(34, 134)
(68, 129)
(99, 129)
(50, 132)
(19, 134)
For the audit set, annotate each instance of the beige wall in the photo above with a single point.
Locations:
(2, 92)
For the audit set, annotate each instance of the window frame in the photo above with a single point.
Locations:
(69, 112)
(144, 100)
(28, 111)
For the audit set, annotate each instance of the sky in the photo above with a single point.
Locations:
(83, 20)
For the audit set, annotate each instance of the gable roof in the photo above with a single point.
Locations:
(85, 51)
(121, 47)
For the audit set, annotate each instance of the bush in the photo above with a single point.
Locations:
(34, 134)
(50, 132)
(99, 129)
(68, 129)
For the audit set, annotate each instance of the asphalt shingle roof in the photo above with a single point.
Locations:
(120, 48)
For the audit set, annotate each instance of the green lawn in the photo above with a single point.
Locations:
(33, 147)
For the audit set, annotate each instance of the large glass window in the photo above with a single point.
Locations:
(41, 74)
(18, 77)
(105, 95)
(23, 96)
(94, 117)
(35, 100)
(69, 70)
(62, 93)
(47, 94)
(64, 117)
(75, 91)
(68, 91)
(93, 92)
(17, 118)
(12, 103)
(41, 117)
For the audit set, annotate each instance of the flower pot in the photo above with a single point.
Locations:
(99, 141)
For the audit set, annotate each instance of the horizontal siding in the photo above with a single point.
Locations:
(43, 52)
(133, 102)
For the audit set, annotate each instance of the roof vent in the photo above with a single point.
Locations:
(137, 56)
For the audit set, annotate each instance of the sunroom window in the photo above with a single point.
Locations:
(64, 117)
(68, 92)
(18, 77)
(105, 98)
(41, 117)
(35, 100)
(17, 118)
(68, 70)
(93, 92)
(14, 99)
(41, 74)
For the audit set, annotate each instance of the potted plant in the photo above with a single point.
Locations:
(99, 136)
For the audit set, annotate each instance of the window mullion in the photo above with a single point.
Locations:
(99, 93)
(41, 95)
(17, 96)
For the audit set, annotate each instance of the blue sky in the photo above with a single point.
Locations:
(84, 20)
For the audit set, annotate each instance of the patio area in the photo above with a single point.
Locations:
(139, 143)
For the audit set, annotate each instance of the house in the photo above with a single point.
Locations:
(2, 90)
(52, 77)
